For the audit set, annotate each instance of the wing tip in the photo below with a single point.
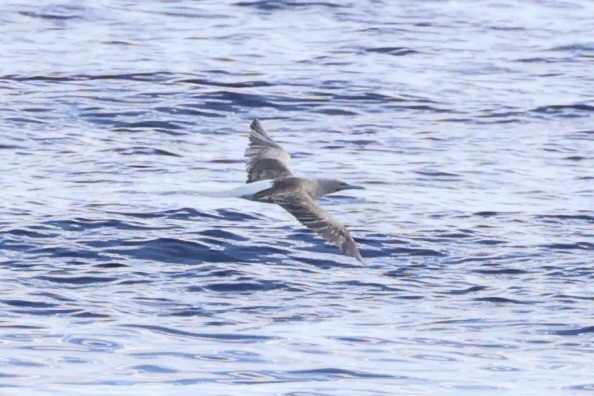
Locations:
(356, 254)
(256, 126)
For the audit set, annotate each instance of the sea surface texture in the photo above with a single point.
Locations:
(469, 123)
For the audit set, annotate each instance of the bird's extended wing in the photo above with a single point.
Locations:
(265, 159)
(311, 215)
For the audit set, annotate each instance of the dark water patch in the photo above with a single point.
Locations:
(237, 337)
(437, 174)
(226, 161)
(54, 296)
(586, 218)
(581, 387)
(322, 263)
(369, 285)
(63, 252)
(331, 373)
(139, 150)
(420, 108)
(10, 147)
(569, 246)
(57, 78)
(501, 300)
(21, 362)
(573, 332)
(208, 271)
(581, 47)
(29, 233)
(362, 340)
(248, 287)
(146, 76)
(223, 235)
(23, 120)
(398, 251)
(172, 250)
(169, 127)
(189, 112)
(255, 252)
(573, 110)
(322, 374)
(28, 304)
(16, 246)
(91, 315)
(47, 312)
(188, 312)
(82, 224)
(364, 97)
(241, 84)
(394, 51)
(177, 214)
(239, 99)
(153, 369)
(490, 242)
(50, 15)
(487, 213)
(110, 265)
(575, 158)
(234, 215)
(399, 273)
(279, 5)
(501, 271)
(468, 290)
(543, 60)
(334, 111)
(76, 280)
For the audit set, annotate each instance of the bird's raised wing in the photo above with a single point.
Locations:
(265, 159)
(311, 215)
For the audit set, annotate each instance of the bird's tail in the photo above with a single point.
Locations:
(245, 191)
(217, 194)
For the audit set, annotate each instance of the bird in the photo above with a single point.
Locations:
(270, 180)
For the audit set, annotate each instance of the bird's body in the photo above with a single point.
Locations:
(270, 181)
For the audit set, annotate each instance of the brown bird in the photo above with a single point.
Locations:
(270, 180)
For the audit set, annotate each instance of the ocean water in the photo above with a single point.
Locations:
(471, 125)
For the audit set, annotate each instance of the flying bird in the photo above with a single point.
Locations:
(270, 180)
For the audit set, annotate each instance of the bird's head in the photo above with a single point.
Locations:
(329, 186)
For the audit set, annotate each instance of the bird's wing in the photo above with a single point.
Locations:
(311, 215)
(265, 159)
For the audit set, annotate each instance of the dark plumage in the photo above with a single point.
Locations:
(267, 160)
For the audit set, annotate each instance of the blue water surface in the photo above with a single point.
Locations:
(471, 124)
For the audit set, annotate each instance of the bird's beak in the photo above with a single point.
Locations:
(353, 187)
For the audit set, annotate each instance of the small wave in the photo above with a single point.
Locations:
(501, 300)
(153, 369)
(247, 287)
(569, 246)
(501, 271)
(236, 337)
(572, 110)
(240, 84)
(586, 218)
(265, 5)
(140, 150)
(471, 289)
(77, 280)
(394, 51)
(177, 214)
(172, 250)
(28, 304)
(169, 127)
(578, 331)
